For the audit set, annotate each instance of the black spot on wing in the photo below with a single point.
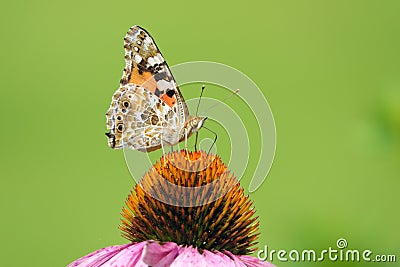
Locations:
(142, 66)
(160, 76)
(158, 92)
(170, 93)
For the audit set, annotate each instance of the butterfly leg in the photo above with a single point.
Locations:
(186, 145)
(195, 142)
(162, 147)
(163, 151)
(197, 111)
(215, 139)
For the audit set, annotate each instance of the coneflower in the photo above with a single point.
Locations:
(188, 210)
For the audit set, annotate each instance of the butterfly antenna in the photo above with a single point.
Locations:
(223, 100)
(215, 138)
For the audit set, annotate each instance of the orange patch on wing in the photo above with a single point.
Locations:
(145, 79)
(169, 100)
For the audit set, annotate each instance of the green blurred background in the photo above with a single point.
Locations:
(330, 72)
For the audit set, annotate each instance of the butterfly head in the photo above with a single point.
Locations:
(195, 123)
(111, 140)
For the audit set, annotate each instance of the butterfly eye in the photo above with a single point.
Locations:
(120, 127)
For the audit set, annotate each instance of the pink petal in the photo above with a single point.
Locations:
(128, 257)
(254, 262)
(160, 255)
(125, 255)
(249, 261)
(217, 258)
(189, 256)
(169, 254)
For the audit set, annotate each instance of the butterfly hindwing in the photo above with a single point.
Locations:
(139, 119)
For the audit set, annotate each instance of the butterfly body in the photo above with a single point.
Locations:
(148, 110)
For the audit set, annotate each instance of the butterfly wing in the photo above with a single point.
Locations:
(145, 66)
(140, 120)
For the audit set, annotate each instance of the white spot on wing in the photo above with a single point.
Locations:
(147, 40)
(153, 100)
(163, 85)
(159, 58)
(138, 58)
(151, 61)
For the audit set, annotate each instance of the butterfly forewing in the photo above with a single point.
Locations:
(146, 66)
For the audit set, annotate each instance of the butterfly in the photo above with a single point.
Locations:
(147, 111)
